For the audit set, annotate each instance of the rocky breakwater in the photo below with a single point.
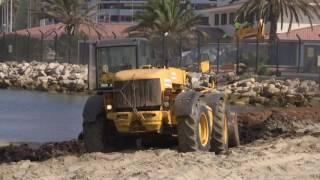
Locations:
(56, 77)
(277, 93)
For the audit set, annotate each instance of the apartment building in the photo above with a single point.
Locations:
(224, 14)
(298, 48)
(115, 11)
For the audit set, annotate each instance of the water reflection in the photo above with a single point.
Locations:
(39, 116)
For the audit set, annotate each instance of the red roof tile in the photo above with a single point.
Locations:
(307, 34)
(106, 31)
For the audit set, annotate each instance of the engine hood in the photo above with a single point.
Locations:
(166, 75)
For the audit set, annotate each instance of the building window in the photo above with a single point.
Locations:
(204, 20)
(216, 19)
(114, 18)
(241, 19)
(126, 18)
(251, 18)
(231, 18)
(223, 19)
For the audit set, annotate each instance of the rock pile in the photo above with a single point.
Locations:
(59, 77)
(273, 92)
(63, 77)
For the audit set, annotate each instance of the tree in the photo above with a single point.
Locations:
(275, 10)
(165, 17)
(21, 15)
(161, 16)
(71, 13)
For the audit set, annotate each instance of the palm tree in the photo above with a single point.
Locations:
(170, 18)
(275, 10)
(71, 13)
(161, 16)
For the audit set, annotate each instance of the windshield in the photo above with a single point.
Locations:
(114, 59)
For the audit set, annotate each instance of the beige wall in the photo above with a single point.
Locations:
(304, 22)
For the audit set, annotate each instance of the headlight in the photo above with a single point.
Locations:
(109, 107)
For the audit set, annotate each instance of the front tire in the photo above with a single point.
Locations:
(99, 134)
(233, 130)
(219, 137)
(194, 133)
(94, 135)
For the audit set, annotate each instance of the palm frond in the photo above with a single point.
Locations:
(165, 16)
(279, 10)
(72, 13)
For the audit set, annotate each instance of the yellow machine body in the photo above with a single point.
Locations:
(174, 75)
(137, 98)
(257, 31)
(148, 121)
(205, 66)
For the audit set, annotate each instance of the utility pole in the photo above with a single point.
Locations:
(98, 11)
(2, 15)
(132, 11)
(7, 16)
(4, 23)
(29, 14)
(11, 16)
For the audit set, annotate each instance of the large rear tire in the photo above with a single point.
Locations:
(194, 133)
(219, 139)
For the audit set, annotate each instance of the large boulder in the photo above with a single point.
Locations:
(42, 83)
(261, 100)
(58, 71)
(76, 69)
(292, 83)
(50, 69)
(249, 94)
(40, 67)
(4, 83)
(271, 90)
(2, 75)
(4, 67)
(80, 85)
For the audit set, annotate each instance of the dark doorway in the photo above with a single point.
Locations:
(311, 53)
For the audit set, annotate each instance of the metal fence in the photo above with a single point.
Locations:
(296, 56)
(47, 47)
(258, 57)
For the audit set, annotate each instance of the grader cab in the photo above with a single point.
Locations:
(137, 98)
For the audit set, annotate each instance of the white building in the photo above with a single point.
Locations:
(224, 14)
(301, 55)
(6, 15)
(124, 10)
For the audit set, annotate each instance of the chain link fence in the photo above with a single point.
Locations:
(45, 48)
(224, 55)
(263, 58)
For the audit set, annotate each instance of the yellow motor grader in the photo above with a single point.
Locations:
(137, 97)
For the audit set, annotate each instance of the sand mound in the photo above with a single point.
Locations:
(281, 158)
(284, 144)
